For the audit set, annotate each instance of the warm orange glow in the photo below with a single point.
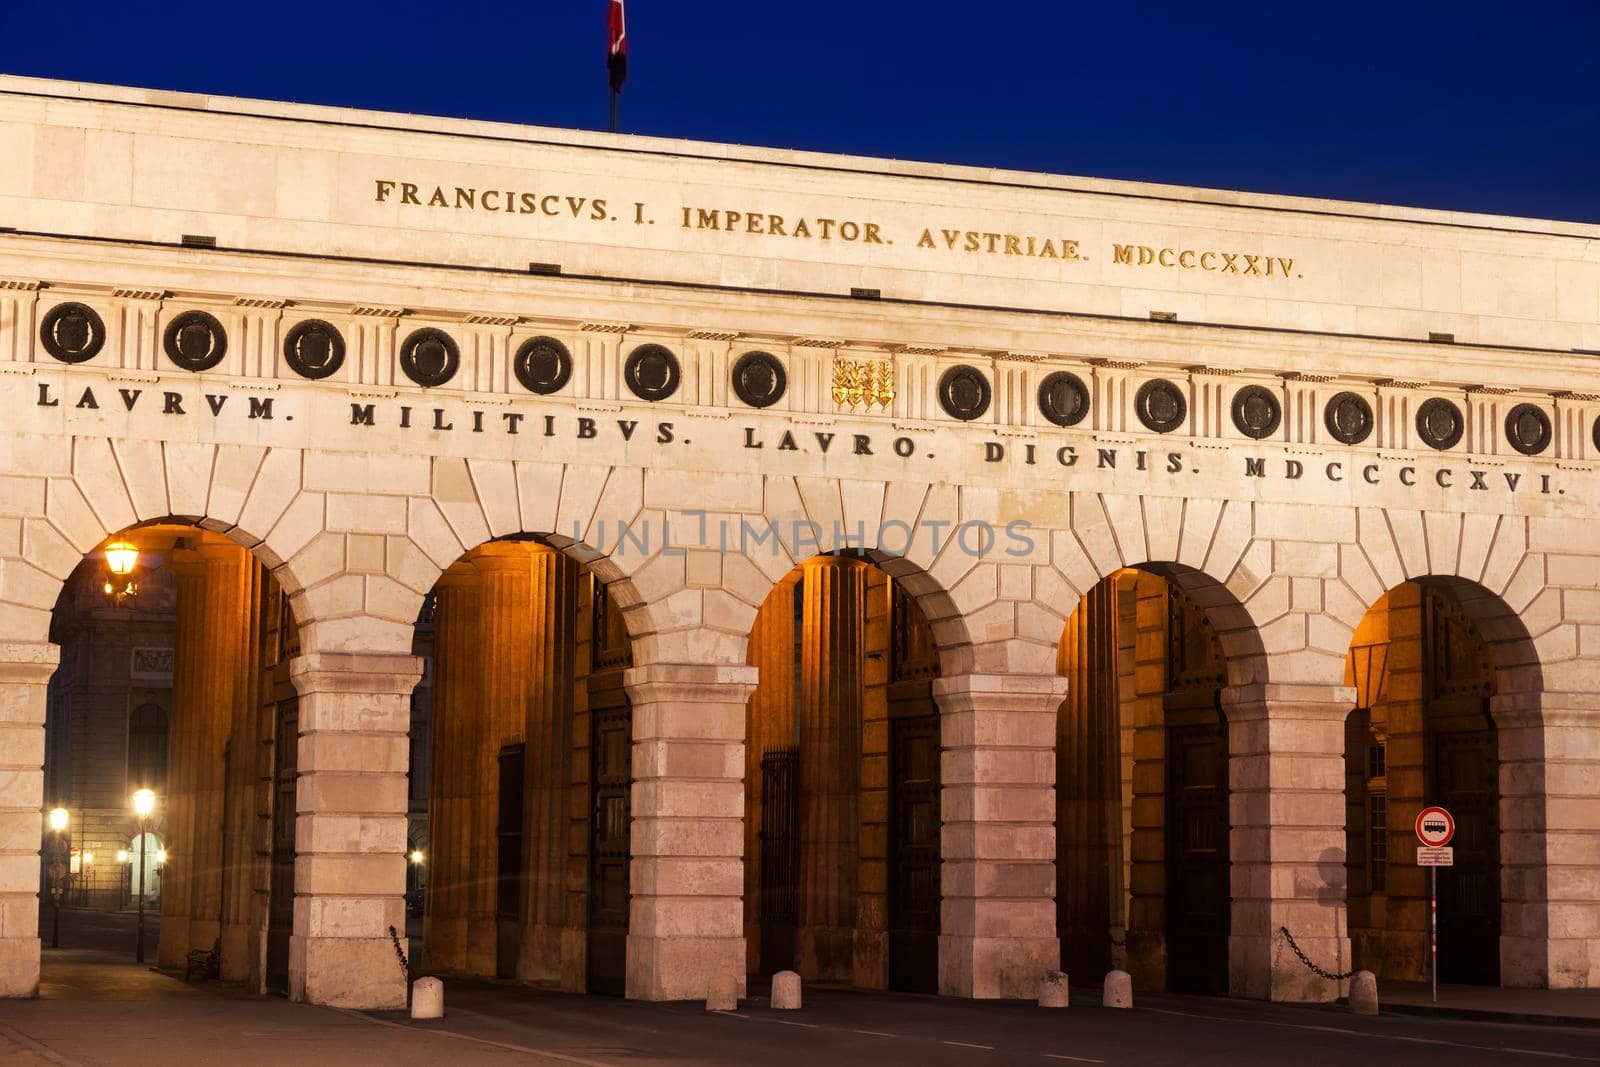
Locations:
(121, 558)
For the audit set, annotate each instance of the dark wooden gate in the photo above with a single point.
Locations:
(280, 900)
(914, 854)
(508, 862)
(779, 906)
(1466, 766)
(611, 747)
(1198, 897)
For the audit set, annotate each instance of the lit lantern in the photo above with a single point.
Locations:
(58, 819)
(121, 560)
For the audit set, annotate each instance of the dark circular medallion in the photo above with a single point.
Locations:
(1160, 405)
(314, 349)
(1256, 411)
(759, 379)
(1063, 398)
(963, 393)
(542, 365)
(195, 341)
(1596, 433)
(1349, 418)
(72, 332)
(1528, 429)
(1439, 423)
(651, 372)
(429, 357)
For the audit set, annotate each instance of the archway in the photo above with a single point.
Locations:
(174, 677)
(842, 779)
(1143, 757)
(1427, 668)
(523, 730)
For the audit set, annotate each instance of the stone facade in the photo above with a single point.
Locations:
(916, 321)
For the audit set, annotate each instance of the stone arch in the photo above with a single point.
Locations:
(251, 495)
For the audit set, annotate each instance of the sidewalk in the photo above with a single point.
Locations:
(1548, 1007)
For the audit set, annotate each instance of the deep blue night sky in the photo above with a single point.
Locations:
(1468, 105)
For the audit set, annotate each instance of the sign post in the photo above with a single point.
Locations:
(1435, 827)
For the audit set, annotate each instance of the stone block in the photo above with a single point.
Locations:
(1053, 990)
(427, 999)
(786, 991)
(1118, 991)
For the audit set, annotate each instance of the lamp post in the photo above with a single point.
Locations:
(144, 802)
(58, 869)
(121, 559)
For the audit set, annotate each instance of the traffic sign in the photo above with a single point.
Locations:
(1435, 827)
(1436, 857)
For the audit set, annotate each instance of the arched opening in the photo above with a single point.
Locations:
(1142, 785)
(1423, 733)
(174, 677)
(842, 776)
(521, 765)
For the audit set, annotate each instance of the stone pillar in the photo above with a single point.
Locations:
(1142, 609)
(502, 639)
(455, 762)
(240, 923)
(773, 647)
(997, 928)
(685, 927)
(183, 737)
(218, 645)
(1550, 861)
(25, 671)
(1286, 801)
(548, 713)
(350, 863)
(1088, 777)
(833, 632)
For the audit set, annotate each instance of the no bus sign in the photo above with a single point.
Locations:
(1435, 827)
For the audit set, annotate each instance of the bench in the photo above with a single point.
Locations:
(207, 962)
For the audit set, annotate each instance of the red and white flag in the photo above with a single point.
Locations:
(617, 55)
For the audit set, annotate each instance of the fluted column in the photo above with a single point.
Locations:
(688, 805)
(1286, 801)
(240, 926)
(547, 937)
(770, 725)
(1088, 786)
(220, 646)
(830, 764)
(455, 771)
(997, 925)
(502, 640)
(184, 735)
(25, 670)
(350, 827)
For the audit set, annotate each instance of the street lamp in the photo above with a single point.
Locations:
(121, 559)
(58, 869)
(144, 802)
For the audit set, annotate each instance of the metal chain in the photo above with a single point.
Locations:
(1284, 930)
(405, 965)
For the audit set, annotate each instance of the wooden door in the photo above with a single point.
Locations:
(914, 891)
(1466, 768)
(280, 900)
(1198, 899)
(610, 751)
(779, 905)
(508, 862)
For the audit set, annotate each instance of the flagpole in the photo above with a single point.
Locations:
(614, 95)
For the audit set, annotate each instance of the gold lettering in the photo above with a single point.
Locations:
(926, 240)
(384, 189)
(1162, 258)
(1122, 254)
(1186, 259)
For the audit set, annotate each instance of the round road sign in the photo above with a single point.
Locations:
(1435, 827)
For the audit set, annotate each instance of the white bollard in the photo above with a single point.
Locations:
(1119, 990)
(786, 991)
(1053, 990)
(1364, 993)
(427, 999)
(723, 994)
